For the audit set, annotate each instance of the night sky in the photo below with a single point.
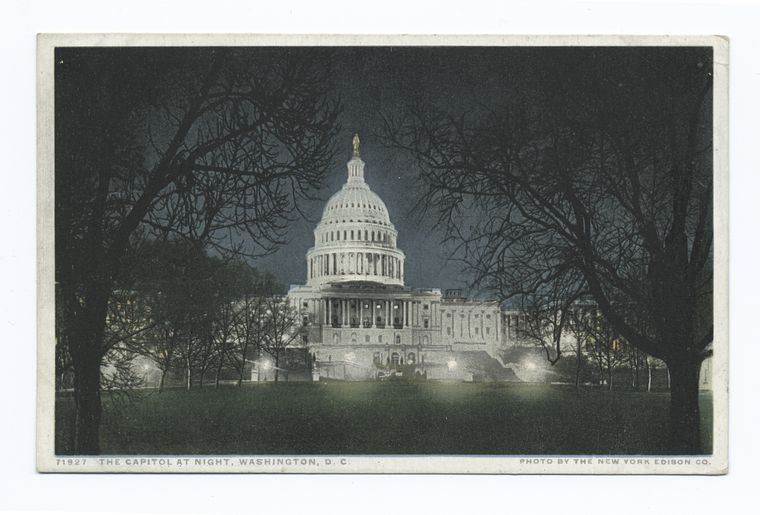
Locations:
(372, 81)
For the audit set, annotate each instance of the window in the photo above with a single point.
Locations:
(352, 235)
(379, 338)
(488, 330)
(477, 330)
(425, 323)
(448, 331)
(366, 339)
(398, 339)
(424, 306)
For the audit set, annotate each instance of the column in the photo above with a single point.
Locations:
(361, 313)
(372, 312)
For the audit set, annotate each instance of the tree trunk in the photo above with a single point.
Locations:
(163, 380)
(188, 374)
(609, 377)
(649, 375)
(578, 370)
(276, 367)
(684, 406)
(86, 339)
(88, 412)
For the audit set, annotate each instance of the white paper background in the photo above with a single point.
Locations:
(22, 488)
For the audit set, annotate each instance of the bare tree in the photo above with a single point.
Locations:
(607, 177)
(282, 329)
(604, 345)
(212, 146)
(582, 338)
(162, 349)
(250, 331)
(224, 324)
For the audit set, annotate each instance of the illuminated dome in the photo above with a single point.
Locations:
(355, 241)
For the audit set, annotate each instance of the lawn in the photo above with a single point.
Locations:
(384, 418)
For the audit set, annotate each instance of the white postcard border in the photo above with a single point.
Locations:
(717, 463)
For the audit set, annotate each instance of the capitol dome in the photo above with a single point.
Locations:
(355, 241)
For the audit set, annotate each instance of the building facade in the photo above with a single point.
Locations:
(360, 319)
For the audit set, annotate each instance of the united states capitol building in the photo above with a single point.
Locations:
(360, 319)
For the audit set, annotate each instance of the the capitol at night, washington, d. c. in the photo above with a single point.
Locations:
(360, 319)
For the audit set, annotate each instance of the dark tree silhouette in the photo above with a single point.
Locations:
(282, 328)
(599, 177)
(211, 146)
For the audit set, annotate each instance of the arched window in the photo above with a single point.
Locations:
(395, 358)
(353, 337)
(410, 358)
(398, 339)
(424, 340)
(336, 338)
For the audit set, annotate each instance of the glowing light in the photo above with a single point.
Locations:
(452, 364)
(266, 365)
(349, 356)
(530, 365)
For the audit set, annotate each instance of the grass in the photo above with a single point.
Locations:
(384, 418)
